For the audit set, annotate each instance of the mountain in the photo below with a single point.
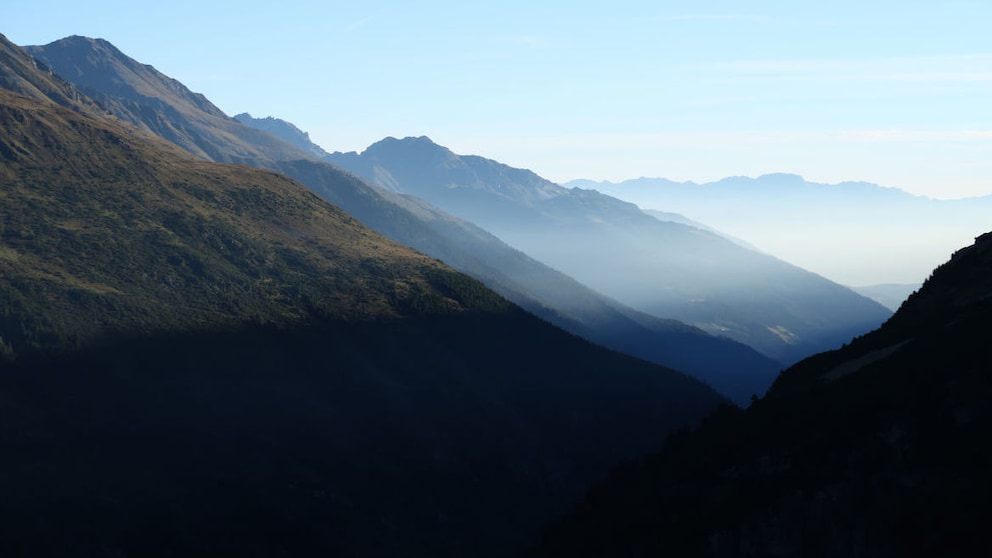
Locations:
(156, 103)
(679, 218)
(662, 268)
(201, 358)
(26, 76)
(733, 368)
(283, 130)
(880, 448)
(797, 220)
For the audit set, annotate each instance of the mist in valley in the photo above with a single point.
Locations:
(855, 233)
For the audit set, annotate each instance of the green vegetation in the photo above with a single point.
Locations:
(102, 233)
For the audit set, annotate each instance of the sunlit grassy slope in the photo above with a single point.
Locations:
(102, 231)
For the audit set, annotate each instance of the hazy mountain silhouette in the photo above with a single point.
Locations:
(198, 358)
(733, 368)
(283, 130)
(679, 218)
(853, 232)
(666, 269)
(880, 448)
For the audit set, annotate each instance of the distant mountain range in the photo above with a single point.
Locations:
(880, 448)
(733, 368)
(888, 236)
(664, 268)
(210, 359)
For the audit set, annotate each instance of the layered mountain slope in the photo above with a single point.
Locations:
(663, 268)
(881, 448)
(152, 101)
(732, 368)
(210, 359)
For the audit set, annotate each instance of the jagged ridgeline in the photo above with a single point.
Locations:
(211, 359)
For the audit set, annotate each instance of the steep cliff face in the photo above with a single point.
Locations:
(881, 448)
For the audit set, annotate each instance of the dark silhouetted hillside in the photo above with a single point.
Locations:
(881, 448)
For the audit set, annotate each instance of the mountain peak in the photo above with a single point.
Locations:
(84, 46)
(96, 65)
(128, 89)
(25, 75)
(769, 179)
(82, 40)
(419, 139)
(410, 146)
(408, 140)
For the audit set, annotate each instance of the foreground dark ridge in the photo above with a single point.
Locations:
(881, 448)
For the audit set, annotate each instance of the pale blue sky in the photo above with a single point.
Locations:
(897, 93)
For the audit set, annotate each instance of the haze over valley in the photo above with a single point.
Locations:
(856, 233)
